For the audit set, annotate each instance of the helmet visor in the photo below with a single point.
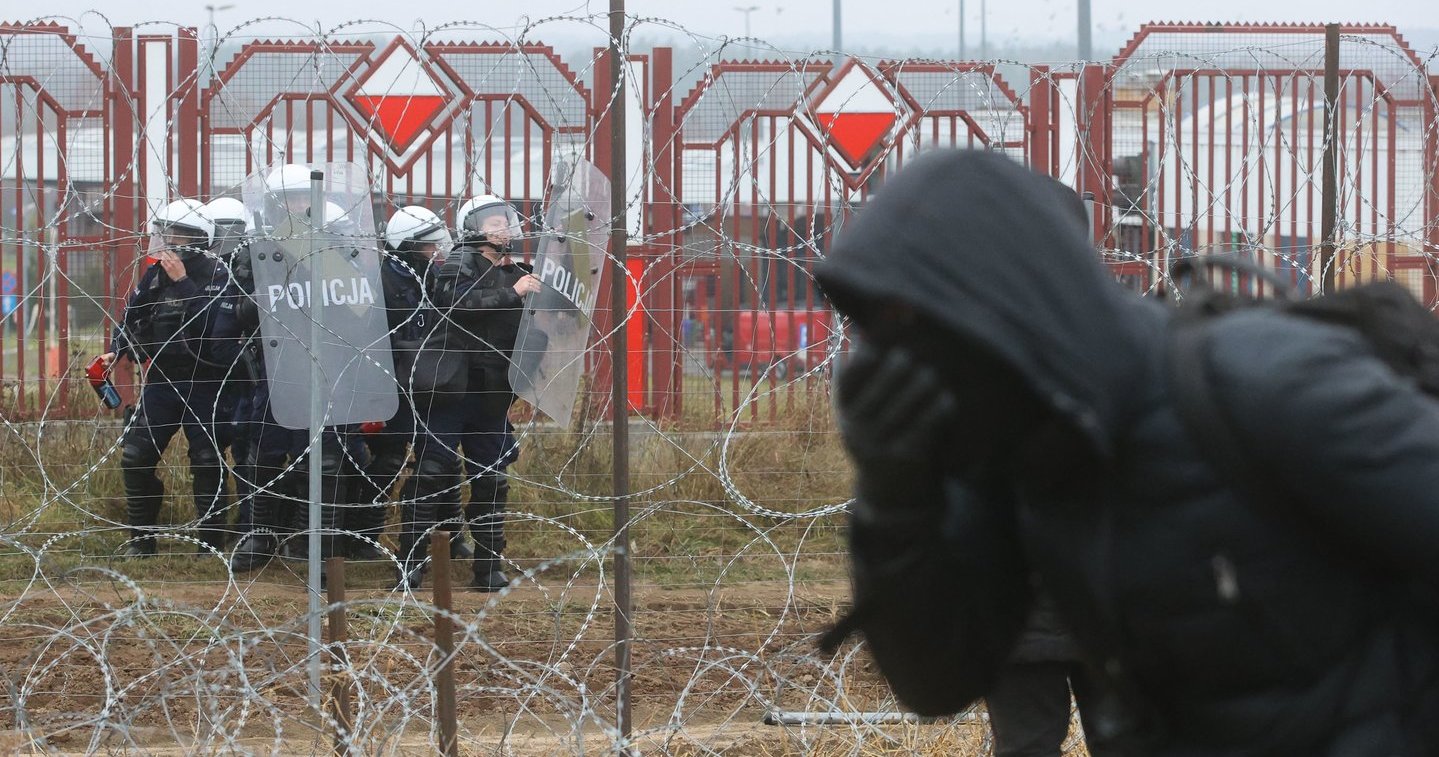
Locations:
(184, 241)
(499, 224)
(435, 241)
(228, 235)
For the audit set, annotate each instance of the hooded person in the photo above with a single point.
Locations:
(1012, 426)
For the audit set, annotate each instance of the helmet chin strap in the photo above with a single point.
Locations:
(501, 251)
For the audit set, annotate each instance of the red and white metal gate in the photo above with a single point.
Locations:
(1193, 138)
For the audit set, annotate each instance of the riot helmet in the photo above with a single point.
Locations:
(182, 228)
(287, 194)
(228, 215)
(415, 228)
(488, 220)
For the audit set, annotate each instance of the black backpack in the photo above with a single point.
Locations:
(1401, 331)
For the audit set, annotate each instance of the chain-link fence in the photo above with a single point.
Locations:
(739, 174)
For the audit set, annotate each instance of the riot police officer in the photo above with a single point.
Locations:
(414, 238)
(232, 414)
(180, 318)
(277, 455)
(479, 291)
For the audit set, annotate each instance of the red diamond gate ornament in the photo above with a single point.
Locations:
(400, 102)
(858, 117)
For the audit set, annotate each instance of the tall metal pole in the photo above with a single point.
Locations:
(1086, 51)
(317, 409)
(619, 385)
(963, 53)
(214, 34)
(838, 42)
(1329, 200)
(983, 29)
(746, 10)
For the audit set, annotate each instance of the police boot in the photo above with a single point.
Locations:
(454, 520)
(259, 545)
(143, 494)
(244, 484)
(208, 480)
(436, 482)
(366, 519)
(296, 514)
(254, 550)
(489, 496)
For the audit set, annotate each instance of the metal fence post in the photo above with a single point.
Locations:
(1329, 198)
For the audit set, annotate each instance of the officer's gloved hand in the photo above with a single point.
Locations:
(895, 414)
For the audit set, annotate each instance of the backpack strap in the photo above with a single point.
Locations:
(1191, 267)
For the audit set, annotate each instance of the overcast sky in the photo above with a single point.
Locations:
(789, 24)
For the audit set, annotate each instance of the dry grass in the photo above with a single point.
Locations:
(703, 500)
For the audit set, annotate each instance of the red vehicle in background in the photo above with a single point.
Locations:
(789, 341)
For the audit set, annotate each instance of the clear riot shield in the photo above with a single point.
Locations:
(354, 349)
(549, 356)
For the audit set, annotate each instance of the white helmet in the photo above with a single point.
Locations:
(290, 177)
(287, 193)
(183, 227)
(339, 221)
(484, 215)
(228, 214)
(415, 225)
(226, 210)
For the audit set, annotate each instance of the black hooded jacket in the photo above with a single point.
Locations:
(1230, 627)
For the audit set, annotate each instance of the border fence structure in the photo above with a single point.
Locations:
(1192, 138)
(734, 177)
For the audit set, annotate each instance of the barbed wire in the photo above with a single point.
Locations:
(743, 173)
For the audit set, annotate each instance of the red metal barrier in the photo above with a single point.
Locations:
(1194, 138)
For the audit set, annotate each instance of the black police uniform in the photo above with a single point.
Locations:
(464, 363)
(411, 317)
(275, 460)
(187, 331)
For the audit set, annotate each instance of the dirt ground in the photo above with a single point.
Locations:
(98, 665)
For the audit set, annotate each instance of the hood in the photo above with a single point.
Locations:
(999, 255)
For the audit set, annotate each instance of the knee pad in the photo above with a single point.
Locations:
(385, 466)
(438, 475)
(332, 461)
(204, 456)
(139, 455)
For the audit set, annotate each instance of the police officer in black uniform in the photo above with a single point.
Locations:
(277, 456)
(180, 318)
(232, 414)
(414, 237)
(464, 363)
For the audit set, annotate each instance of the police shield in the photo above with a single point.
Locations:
(549, 357)
(289, 236)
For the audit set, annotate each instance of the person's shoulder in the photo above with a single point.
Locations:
(1263, 355)
(1265, 338)
(452, 264)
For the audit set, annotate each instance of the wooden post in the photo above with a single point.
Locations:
(339, 682)
(619, 397)
(444, 644)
